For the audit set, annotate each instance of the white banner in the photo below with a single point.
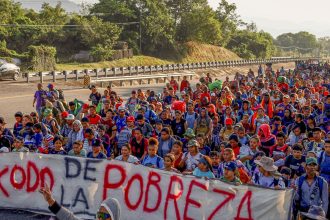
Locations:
(81, 184)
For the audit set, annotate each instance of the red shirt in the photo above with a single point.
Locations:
(184, 85)
(94, 120)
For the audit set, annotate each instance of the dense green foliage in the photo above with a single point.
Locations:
(303, 42)
(152, 27)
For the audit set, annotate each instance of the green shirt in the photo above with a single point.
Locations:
(235, 181)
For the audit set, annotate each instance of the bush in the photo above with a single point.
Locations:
(41, 58)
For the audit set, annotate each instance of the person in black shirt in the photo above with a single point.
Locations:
(299, 122)
(296, 160)
(178, 124)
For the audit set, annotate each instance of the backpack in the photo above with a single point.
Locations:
(243, 176)
(274, 183)
(186, 113)
(301, 181)
(321, 158)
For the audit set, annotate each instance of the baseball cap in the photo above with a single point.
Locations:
(121, 108)
(229, 121)
(96, 143)
(193, 143)
(85, 106)
(311, 160)
(65, 114)
(70, 117)
(286, 96)
(230, 166)
(130, 118)
(50, 86)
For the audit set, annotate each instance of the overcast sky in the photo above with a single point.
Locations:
(282, 16)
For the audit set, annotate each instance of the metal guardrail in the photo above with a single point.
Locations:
(145, 70)
(155, 77)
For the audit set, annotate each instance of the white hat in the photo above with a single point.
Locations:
(267, 163)
(4, 150)
(70, 117)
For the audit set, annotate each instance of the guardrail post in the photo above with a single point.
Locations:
(131, 82)
(76, 73)
(144, 70)
(173, 67)
(122, 70)
(178, 65)
(41, 77)
(130, 70)
(105, 72)
(137, 70)
(168, 67)
(150, 69)
(121, 83)
(27, 77)
(96, 73)
(205, 65)
(54, 75)
(65, 73)
(162, 66)
(114, 70)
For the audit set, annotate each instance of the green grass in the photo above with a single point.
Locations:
(135, 61)
(194, 52)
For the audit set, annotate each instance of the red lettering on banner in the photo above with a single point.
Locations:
(230, 196)
(3, 172)
(190, 200)
(173, 196)
(153, 180)
(247, 197)
(17, 185)
(106, 184)
(32, 166)
(46, 171)
(139, 178)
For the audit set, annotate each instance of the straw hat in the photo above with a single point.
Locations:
(267, 163)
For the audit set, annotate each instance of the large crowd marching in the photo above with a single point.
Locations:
(269, 128)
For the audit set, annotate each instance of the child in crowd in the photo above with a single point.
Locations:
(203, 148)
(231, 174)
(169, 163)
(296, 160)
(215, 157)
(38, 137)
(18, 145)
(58, 146)
(77, 150)
(204, 168)
(152, 159)
(18, 126)
(96, 152)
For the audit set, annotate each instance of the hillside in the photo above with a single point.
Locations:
(199, 52)
(195, 52)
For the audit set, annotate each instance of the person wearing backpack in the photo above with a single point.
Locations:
(310, 189)
(324, 161)
(268, 175)
(152, 159)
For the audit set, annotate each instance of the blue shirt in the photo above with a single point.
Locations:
(199, 173)
(99, 156)
(156, 161)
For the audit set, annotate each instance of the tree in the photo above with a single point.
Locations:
(199, 24)
(303, 41)
(230, 21)
(249, 45)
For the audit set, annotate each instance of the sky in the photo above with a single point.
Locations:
(283, 16)
(280, 16)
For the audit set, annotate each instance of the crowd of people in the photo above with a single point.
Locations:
(269, 128)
